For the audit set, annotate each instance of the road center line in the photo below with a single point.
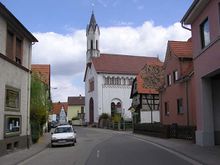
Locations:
(98, 154)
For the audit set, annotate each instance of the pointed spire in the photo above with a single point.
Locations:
(92, 22)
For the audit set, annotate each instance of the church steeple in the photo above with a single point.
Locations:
(92, 22)
(92, 34)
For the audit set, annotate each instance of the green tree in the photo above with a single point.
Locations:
(39, 106)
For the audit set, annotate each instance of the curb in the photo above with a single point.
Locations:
(33, 154)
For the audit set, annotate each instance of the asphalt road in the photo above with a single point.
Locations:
(106, 147)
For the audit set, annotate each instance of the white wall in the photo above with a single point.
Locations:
(146, 116)
(91, 73)
(109, 92)
(104, 94)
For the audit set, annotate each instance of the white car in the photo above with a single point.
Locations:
(63, 135)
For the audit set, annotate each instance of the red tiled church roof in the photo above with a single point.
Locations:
(181, 48)
(43, 70)
(121, 64)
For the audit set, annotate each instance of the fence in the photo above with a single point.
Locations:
(127, 125)
(152, 129)
(182, 132)
(166, 131)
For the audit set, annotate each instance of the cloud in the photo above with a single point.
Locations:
(67, 53)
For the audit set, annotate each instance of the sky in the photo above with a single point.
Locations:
(130, 27)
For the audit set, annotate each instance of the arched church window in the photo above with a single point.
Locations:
(118, 81)
(107, 80)
(113, 109)
(123, 81)
(130, 81)
(91, 44)
(111, 81)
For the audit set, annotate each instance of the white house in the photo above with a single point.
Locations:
(15, 73)
(108, 78)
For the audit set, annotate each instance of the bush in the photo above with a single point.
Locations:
(104, 116)
(104, 120)
(35, 131)
(75, 118)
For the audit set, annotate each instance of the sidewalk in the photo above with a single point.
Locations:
(203, 155)
(17, 157)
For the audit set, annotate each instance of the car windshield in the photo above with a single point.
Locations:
(63, 129)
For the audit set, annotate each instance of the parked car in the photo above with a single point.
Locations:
(63, 135)
(54, 124)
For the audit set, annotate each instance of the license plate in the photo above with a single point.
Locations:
(62, 141)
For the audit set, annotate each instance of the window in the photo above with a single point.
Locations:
(205, 33)
(18, 55)
(166, 107)
(12, 125)
(14, 47)
(180, 106)
(152, 102)
(91, 44)
(9, 47)
(12, 99)
(130, 81)
(82, 109)
(175, 76)
(91, 85)
(168, 80)
(97, 45)
(118, 81)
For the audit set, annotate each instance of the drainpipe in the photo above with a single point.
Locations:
(28, 95)
(187, 103)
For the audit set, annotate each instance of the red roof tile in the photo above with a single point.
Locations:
(56, 107)
(121, 64)
(79, 100)
(43, 70)
(181, 48)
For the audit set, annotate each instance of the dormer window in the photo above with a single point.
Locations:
(205, 33)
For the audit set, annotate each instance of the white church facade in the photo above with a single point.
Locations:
(108, 78)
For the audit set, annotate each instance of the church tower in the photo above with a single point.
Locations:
(92, 34)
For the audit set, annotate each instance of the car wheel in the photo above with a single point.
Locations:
(51, 145)
(73, 144)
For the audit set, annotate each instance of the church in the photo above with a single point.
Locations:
(108, 78)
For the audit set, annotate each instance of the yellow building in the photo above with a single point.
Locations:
(75, 112)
